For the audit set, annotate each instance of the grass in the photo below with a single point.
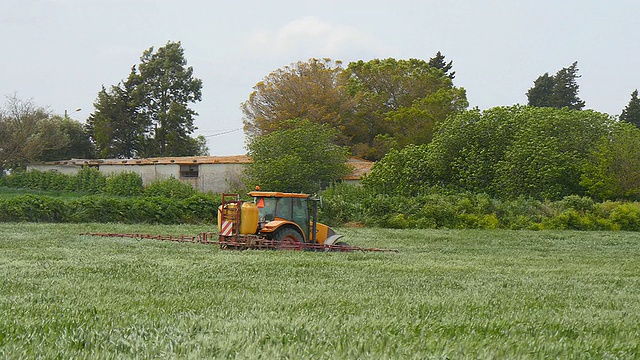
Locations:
(446, 294)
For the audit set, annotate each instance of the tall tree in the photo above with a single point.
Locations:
(27, 132)
(541, 92)
(439, 62)
(404, 99)
(557, 91)
(375, 105)
(631, 112)
(312, 90)
(116, 127)
(148, 114)
(165, 86)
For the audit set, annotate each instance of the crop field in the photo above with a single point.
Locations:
(463, 294)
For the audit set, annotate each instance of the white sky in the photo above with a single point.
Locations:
(60, 52)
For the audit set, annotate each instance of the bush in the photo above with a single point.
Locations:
(442, 209)
(342, 203)
(626, 216)
(156, 210)
(200, 208)
(88, 179)
(32, 208)
(171, 188)
(99, 208)
(37, 180)
(124, 184)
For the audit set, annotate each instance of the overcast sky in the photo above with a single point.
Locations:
(60, 52)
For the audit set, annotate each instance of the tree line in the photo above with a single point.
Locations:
(378, 110)
(509, 152)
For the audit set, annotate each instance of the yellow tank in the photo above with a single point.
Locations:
(249, 216)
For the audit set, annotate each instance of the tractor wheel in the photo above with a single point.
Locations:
(288, 239)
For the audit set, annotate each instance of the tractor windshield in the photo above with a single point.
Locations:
(266, 208)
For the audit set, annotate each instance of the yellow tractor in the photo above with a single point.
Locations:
(274, 220)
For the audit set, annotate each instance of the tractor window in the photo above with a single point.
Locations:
(266, 208)
(301, 214)
(283, 208)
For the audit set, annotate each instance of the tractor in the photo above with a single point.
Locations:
(274, 220)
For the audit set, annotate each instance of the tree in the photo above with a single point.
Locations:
(631, 112)
(297, 158)
(375, 105)
(164, 87)
(312, 90)
(612, 172)
(468, 147)
(405, 99)
(116, 127)
(148, 114)
(503, 151)
(547, 156)
(79, 144)
(400, 172)
(541, 93)
(558, 91)
(566, 88)
(438, 62)
(27, 133)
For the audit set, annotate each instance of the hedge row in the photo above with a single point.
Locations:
(199, 208)
(440, 209)
(92, 181)
(343, 204)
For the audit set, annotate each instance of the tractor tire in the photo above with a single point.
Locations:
(288, 239)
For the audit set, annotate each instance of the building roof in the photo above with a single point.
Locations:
(234, 159)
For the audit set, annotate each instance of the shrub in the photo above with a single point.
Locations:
(88, 179)
(33, 209)
(37, 180)
(342, 203)
(626, 216)
(171, 188)
(200, 208)
(99, 208)
(124, 184)
(156, 210)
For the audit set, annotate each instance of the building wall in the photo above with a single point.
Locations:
(63, 169)
(215, 175)
(216, 178)
(148, 173)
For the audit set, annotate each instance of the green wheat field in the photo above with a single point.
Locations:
(463, 294)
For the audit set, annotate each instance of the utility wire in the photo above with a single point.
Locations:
(222, 133)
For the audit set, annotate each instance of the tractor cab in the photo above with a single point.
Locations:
(290, 217)
(291, 207)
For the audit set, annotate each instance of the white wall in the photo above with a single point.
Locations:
(63, 169)
(216, 178)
